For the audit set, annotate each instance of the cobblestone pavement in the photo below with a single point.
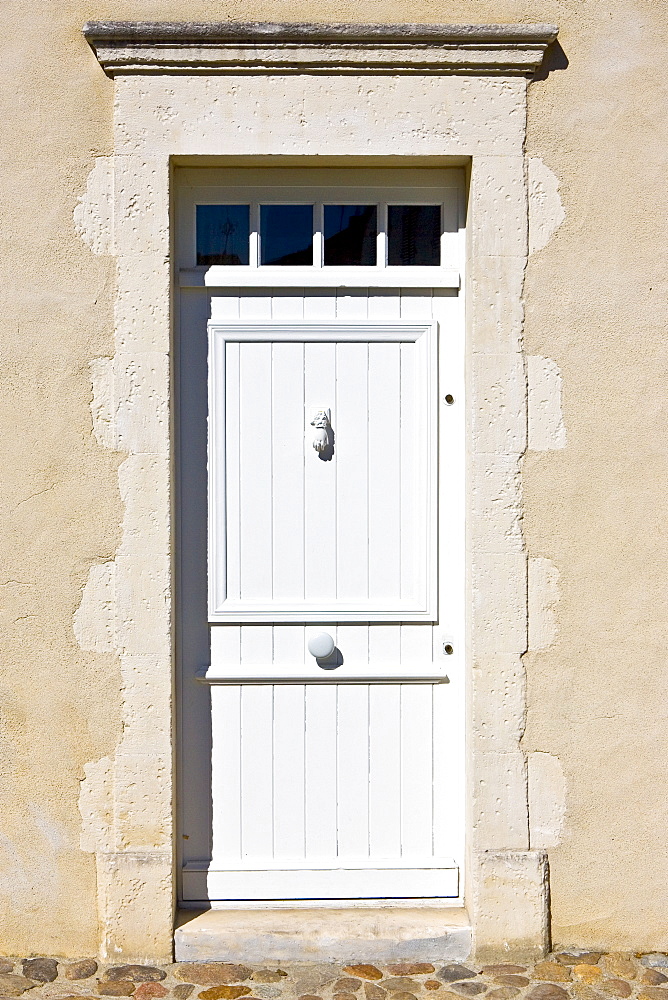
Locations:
(581, 976)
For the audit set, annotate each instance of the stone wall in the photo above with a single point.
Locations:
(594, 476)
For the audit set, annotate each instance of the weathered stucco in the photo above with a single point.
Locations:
(594, 478)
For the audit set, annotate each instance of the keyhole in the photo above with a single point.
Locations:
(449, 399)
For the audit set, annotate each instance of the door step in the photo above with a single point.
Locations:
(324, 934)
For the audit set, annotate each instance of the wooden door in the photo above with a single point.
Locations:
(336, 777)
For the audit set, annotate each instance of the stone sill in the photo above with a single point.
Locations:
(322, 934)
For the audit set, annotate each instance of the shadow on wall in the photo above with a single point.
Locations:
(555, 58)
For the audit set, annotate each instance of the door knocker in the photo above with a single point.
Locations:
(323, 440)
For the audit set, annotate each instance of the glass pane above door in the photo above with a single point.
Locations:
(223, 234)
(373, 237)
(414, 235)
(286, 234)
(350, 234)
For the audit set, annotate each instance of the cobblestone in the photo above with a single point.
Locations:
(576, 975)
(84, 969)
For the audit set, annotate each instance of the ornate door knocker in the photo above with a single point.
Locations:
(322, 424)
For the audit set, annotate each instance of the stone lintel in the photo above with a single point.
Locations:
(256, 47)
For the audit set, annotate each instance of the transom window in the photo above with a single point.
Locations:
(319, 235)
(321, 227)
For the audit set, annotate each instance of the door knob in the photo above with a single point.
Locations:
(321, 646)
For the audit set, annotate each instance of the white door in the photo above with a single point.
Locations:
(323, 732)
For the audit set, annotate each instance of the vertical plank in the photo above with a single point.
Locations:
(256, 643)
(319, 476)
(257, 771)
(353, 771)
(414, 485)
(384, 304)
(416, 770)
(226, 645)
(226, 772)
(384, 644)
(287, 305)
(255, 306)
(287, 442)
(289, 646)
(416, 304)
(353, 642)
(319, 305)
(352, 304)
(384, 471)
(385, 771)
(232, 472)
(256, 478)
(449, 773)
(352, 471)
(225, 307)
(320, 769)
(289, 773)
(416, 646)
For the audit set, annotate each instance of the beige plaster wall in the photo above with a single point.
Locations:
(594, 477)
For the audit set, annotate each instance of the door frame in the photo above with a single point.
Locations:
(298, 95)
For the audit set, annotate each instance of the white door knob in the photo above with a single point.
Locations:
(321, 646)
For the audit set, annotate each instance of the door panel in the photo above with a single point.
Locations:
(323, 776)
(349, 513)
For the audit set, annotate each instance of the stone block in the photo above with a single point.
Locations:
(103, 403)
(144, 483)
(142, 800)
(243, 115)
(136, 905)
(547, 799)
(496, 506)
(141, 205)
(498, 610)
(141, 310)
(496, 304)
(147, 705)
(94, 212)
(143, 605)
(544, 593)
(499, 701)
(547, 430)
(142, 390)
(511, 906)
(499, 212)
(499, 800)
(498, 404)
(95, 618)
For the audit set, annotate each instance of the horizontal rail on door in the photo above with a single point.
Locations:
(273, 674)
(235, 276)
(305, 882)
(321, 864)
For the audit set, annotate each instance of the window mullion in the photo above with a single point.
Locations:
(318, 234)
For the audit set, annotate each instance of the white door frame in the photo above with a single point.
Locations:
(249, 95)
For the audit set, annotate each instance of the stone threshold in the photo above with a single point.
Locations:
(323, 934)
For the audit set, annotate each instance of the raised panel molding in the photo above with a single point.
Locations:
(382, 468)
